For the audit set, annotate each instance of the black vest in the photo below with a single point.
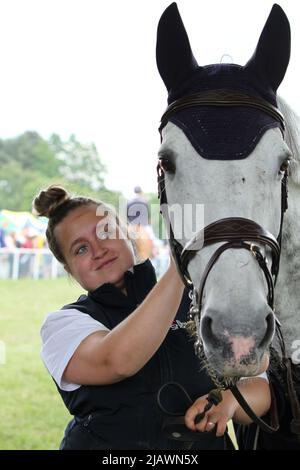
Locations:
(125, 415)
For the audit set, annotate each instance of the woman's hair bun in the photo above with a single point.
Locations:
(48, 200)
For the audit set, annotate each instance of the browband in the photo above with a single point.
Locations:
(224, 98)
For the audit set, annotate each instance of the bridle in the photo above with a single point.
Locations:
(235, 232)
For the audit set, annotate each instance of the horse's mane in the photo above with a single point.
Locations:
(292, 137)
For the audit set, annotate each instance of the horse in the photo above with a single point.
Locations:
(231, 145)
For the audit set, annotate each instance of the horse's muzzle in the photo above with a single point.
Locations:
(238, 351)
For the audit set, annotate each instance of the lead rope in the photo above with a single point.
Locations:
(292, 394)
(174, 426)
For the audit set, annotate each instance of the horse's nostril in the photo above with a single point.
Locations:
(270, 321)
(207, 331)
(206, 328)
(215, 334)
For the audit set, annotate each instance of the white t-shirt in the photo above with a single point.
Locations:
(62, 332)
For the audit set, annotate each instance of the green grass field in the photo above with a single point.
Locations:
(32, 414)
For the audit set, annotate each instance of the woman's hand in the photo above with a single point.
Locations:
(256, 392)
(216, 418)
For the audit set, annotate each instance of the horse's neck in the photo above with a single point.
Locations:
(287, 300)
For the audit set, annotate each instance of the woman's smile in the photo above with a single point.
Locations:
(107, 263)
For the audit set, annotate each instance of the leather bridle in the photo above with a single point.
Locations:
(223, 98)
(235, 232)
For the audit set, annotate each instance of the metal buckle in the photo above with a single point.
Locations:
(254, 249)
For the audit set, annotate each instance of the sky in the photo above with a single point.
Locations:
(87, 67)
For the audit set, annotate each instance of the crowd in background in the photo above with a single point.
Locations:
(26, 238)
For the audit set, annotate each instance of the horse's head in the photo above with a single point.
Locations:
(223, 150)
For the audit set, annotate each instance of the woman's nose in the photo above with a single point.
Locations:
(99, 250)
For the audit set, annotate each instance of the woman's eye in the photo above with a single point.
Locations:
(81, 249)
(167, 165)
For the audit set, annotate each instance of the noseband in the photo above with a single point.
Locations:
(236, 232)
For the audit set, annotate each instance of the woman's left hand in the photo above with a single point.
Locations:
(215, 419)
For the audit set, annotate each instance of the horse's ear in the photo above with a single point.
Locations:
(174, 57)
(271, 57)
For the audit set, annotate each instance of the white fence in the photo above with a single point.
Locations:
(41, 264)
(34, 263)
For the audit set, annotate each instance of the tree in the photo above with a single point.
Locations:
(29, 163)
(19, 186)
(79, 163)
(32, 152)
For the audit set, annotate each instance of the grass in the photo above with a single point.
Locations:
(33, 415)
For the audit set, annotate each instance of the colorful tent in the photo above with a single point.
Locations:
(12, 221)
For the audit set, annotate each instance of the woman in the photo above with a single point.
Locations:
(112, 350)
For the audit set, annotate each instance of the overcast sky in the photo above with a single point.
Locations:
(88, 67)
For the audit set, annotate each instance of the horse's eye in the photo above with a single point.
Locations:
(167, 165)
(285, 165)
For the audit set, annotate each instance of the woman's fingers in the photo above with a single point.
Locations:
(193, 411)
(213, 420)
(221, 426)
(190, 419)
(201, 426)
(210, 425)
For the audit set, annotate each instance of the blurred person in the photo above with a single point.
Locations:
(138, 211)
(2, 238)
(138, 216)
(11, 241)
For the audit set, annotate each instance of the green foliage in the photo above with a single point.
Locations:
(79, 163)
(29, 162)
(31, 152)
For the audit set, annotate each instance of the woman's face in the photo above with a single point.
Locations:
(95, 249)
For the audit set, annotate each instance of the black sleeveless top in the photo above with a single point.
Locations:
(125, 415)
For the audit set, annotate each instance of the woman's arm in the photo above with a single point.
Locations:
(108, 357)
(256, 392)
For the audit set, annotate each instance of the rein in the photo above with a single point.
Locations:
(235, 232)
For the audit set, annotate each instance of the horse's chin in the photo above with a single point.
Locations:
(247, 367)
